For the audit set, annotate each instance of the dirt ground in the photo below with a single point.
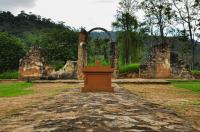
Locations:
(183, 101)
(9, 105)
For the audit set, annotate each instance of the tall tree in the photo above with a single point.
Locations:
(159, 14)
(125, 18)
(189, 13)
(127, 23)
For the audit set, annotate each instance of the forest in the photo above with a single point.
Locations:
(175, 22)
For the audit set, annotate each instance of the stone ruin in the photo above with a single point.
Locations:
(82, 52)
(69, 71)
(34, 65)
(160, 64)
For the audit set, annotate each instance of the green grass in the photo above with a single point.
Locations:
(129, 68)
(15, 89)
(193, 85)
(9, 75)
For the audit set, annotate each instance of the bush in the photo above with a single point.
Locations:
(129, 68)
(11, 51)
(9, 75)
(196, 72)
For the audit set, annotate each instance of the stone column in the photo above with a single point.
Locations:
(114, 62)
(82, 53)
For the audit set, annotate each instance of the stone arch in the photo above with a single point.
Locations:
(82, 51)
(102, 29)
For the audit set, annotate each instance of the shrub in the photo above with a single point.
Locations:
(129, 68)
(196, 72)
(9, 75)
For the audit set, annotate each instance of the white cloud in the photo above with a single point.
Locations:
(102, 1)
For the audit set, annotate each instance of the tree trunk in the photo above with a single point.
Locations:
(191, 37)
(192, 42)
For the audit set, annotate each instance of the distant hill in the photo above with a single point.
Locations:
(103, 35)
(26, 25)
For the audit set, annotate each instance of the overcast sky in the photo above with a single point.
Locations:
(75, 13)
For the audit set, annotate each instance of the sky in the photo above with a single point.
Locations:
(75, 13)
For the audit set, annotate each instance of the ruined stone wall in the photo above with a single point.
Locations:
(162, 63)
(33, 64)
(158, 64)
(181, 70)
(69, 71)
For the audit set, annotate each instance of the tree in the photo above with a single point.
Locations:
(60, 44)
(127, 23)
(189, 13)
(125, 18)
(11, 51)
(158, 13)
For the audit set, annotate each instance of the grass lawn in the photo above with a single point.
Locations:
(15, 89)
(191, 85)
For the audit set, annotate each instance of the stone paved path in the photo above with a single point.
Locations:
(99, 112)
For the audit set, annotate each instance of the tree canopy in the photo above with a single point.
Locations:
(12, 50)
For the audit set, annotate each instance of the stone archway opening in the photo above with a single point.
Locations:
(82, 51)
(99, 47)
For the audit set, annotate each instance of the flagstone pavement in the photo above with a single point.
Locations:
(99, 112)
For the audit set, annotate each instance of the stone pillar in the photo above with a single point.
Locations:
(82, 53)
(114, 62)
